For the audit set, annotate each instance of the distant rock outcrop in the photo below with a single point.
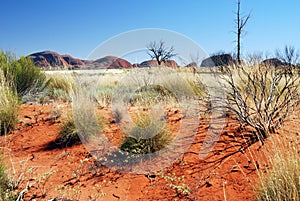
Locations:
(120, 63)
(111, 62)
(104, 62)
(193, 64)
(154, 63)
(73, 61)
(149, 63)
(274, 62)
(171, 63)
(218, 60)
(135, 65)
(48, 59)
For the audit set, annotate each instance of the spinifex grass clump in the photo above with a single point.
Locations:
(9, 105)
(146, 137)
(3, 180)
(68, 135)
(282, 180)
(151, 94)
(142, 142)
(60, 86)
(6, 190)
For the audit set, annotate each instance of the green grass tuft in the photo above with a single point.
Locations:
(282, 180)
(9, 104)
(146, 137)
(68, 136)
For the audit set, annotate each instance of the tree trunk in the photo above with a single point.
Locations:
(239, 34)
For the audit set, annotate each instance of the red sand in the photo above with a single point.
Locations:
(227, 173)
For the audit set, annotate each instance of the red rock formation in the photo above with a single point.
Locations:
(49, 59)
(218, 60)
(72, 61)
(154, 63)
(120, 63)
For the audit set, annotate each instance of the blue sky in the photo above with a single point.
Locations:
(77, 27)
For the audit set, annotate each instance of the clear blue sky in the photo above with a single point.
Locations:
(77, 27)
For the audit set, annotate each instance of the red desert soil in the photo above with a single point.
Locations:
(50, 171)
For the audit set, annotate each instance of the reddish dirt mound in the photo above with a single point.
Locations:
(227, 173)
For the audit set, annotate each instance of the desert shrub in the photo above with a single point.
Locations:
(22, 74)
(282, 180)
(261, 96)
(9, 105)
(146, 137)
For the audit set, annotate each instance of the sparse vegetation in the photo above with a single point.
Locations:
(9, 105)
(290, 56)
(150, 113)
(3, 180)
(176, 183)
(262, 96)
(281, 181)
(6, 191)
(68, 135)
(21, 74)
(60, 86)
(148, 136)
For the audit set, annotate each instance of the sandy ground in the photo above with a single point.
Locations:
(71, 173)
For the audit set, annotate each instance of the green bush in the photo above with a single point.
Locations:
(68, 136)
(146, 137)
(22, 75)
(9, 105)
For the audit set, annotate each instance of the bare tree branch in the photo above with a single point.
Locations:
(261, 96)
(241, 23)
(290, 56)
(160, 52)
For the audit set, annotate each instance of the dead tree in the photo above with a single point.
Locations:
(290, 56)
(241, 22)
(159, 52)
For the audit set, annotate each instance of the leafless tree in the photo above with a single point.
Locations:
(289, 55)
(262, 97)
(253, 59)
(159, 52)
(241, 22)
